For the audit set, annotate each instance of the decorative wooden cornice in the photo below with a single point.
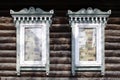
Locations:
(33, 11)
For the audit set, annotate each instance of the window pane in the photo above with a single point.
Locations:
(33, 46)
(87, 44)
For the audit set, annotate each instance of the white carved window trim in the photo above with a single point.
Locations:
(94, 18)
(35, 18)
(41, 63)
(97, 28)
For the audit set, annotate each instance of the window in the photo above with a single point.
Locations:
(32, 39)
(88, 39)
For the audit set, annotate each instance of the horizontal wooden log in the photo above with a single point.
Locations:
(112, 60)
(7, 33)
(114, 20)
(112, 53)
(60, 35)
(60, 20)
(7, 39)
(112, 67)
(98, 74)
(113, 27)
(7, 26)
(60, 40)
(60, 53)
(112, 74)
(60, 60)
(8, 66)
(112, 32)
(57, 78)
(112, 46)
(61, 74)
(6, 20)
(60, 47)
(53, 60)
(60, 28)
(7, 46)
(7, 60)
(7, 53)
(88, 74)
(112, 38)
(8, 73)
(60, 67)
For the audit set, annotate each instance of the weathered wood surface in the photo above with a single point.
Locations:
(60, 51)
(54, 78)
(112, 53)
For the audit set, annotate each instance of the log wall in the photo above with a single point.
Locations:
(60, 51)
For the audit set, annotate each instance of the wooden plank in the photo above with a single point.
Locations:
(7, 46)
(7, 53)
(112, 32)
(60, 67)
(60, 60)
(7, 26)
(6, 33)
(7, 39)
(112, 46)
(114, 20)
(61, 74)
(112, 74)
(112, 67)
(54, 78)
(112, 38)
(60, 53)
(60, 40)
(60, 47)
(112, 60)
(112, 53)
(8, 73)
(8, 66)
(60, 35)
(113, 27)
(60, 28)
(7, 60)
(60, 20)
(6, 20)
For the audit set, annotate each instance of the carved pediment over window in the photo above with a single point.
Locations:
(32, 14)
(89, 16)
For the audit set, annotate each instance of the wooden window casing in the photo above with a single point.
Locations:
(93, 19)
(32, 30)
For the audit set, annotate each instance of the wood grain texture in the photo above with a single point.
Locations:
(112, 32)
(112, 27)
(60, 35)
(7, 33)
(112, 53)
(112, 39)
(60, 41)
(112, 46)
(60, 47)
(114, 20)
(7, 46)
(60, 53)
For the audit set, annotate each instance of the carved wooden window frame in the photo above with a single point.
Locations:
(32, 18)
(88, 18)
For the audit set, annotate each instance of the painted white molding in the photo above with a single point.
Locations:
(93, 19)
(32, 24)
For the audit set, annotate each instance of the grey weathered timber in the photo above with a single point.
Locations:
(32, 18)
(88, 19)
